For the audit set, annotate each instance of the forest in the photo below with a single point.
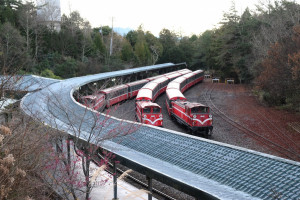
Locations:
(260, 47)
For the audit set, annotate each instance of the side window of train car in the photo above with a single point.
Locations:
(169, 102)
(181, 85)
(155, 91)
(107, 96)
(130, 88)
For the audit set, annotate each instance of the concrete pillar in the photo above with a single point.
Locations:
(149, 187)
(115, 181)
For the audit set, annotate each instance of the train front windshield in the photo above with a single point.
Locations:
(156, 110)
(147, 110)
(199, 109)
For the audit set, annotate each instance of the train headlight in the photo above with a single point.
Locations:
(145, 116)
(194, 116)
(210, 116)
(160, 116)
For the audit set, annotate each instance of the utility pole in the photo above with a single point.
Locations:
(112, 33)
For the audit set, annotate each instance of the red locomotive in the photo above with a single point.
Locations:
(149, 113)
(195, 116)
(151, 91)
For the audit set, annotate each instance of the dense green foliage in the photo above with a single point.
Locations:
(242, 47)
(261, 47)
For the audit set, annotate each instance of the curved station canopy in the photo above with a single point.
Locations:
(200, 167)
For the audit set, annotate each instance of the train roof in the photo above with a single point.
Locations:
(174, 94)
(184, 71)
(160, 80)
(189, 75)
(145, 94)
(137, 82)
(92, 96)
(192, 104)
(198, 71)
(179, 79)
(154, 77)
(151, 85)
(112, 89)
(173, 75)
(89, 97)
(173, 85)
(144, 104)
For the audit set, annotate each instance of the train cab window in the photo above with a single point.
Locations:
(156, 110)
(199, 109)
(147, 110)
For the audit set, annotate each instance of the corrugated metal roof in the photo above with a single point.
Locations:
(27, 83)
(224, 171)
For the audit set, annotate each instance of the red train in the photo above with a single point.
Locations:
(149, 113)
(147, 95)
(95, 102)
(110, 96)
(195, 116)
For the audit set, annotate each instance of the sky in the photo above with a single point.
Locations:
(184, 17)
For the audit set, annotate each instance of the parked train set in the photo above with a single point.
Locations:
(113, 95)
(195, 116)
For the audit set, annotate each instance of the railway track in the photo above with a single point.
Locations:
(137, 181)
(278, 135)
(271, 144)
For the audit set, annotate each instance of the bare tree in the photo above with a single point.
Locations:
(88, 130)
(49, 13)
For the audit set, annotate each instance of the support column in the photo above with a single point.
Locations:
(115, 181)
(149, 187)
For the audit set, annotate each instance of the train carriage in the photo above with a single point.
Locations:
(115, 94)
(110, 96)
(144, 94)
(195, 116)
(171, 77)
(184, 71)
(199, 76)
(155, 77)
(188, 81)
(149, 113)
(135, 86)
(149, 92)
(173, 95)
(173, 85)
(162, 84)
(96, 102)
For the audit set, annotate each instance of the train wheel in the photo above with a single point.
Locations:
(136, 119)
(208, 133)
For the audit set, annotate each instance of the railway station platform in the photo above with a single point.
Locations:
(202, 168)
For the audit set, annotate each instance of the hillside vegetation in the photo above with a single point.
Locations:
(259, 47)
